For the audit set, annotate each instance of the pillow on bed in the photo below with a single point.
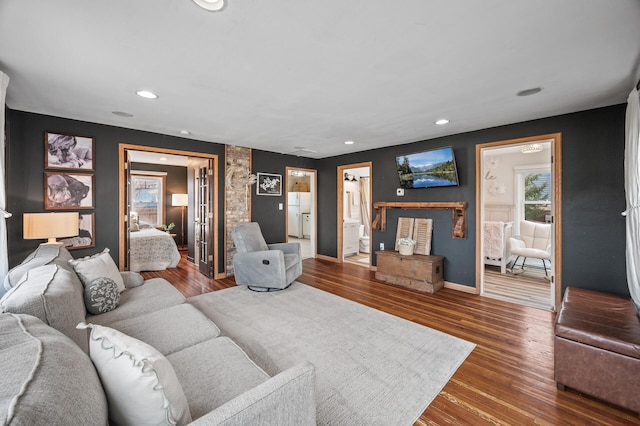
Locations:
(144, 225)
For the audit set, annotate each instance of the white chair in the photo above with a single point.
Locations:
(534, 242)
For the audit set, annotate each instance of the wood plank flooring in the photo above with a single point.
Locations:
(529, 288)
(507, 379)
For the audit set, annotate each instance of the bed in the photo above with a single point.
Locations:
(152, 250)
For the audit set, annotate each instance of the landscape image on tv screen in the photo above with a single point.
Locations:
(436, 167)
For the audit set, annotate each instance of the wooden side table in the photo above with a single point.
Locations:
(418, 272)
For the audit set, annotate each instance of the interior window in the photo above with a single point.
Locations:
(147, 198)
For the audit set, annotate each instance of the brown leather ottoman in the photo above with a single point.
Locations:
(597, 347)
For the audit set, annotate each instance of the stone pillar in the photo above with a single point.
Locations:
(237, 195)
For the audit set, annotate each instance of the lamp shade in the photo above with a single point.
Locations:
(39, 226)
(179, 199)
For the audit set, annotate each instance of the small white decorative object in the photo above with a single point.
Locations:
(406, 246)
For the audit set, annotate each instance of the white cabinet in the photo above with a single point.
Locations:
(350, 238)
(306, 225)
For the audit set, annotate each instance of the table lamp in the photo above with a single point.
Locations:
(40, 226)
(180, 200)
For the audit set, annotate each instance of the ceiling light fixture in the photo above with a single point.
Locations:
(185, 132)
(530, 148)
(146, 94)
(163, 158)
(529, 92)
(210, 5)
(442, 122)
(122, 114)
(349, 142)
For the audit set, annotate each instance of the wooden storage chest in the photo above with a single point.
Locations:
(418, 272)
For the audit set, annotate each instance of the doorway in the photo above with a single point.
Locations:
(200, 226)
(517, 191)
(354, 213)
(301, 209)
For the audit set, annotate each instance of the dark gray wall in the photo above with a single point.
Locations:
(593, 232)
(176, 183)
(593, 238)
(264, 208)
(25, 175)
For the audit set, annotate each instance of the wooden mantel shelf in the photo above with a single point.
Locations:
(458, 210)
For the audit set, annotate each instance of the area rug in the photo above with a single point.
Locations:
(372, 368)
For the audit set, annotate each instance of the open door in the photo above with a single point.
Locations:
(518, 181)
(204, 218)
(127, 203)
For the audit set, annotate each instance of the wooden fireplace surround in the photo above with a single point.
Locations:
(458, 212)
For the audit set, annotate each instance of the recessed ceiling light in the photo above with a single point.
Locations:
(349, 142)
(529, 92)
(185, 132)
(146, 94)
(442, 122)
(122, 114)
(163, 158)
(210, 5)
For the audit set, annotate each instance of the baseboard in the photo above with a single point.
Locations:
(327, 258)
(460, 287)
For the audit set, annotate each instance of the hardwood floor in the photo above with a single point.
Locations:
(506, 380)
(530, 288)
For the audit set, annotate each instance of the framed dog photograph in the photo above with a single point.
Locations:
(269, 184)
(69, 152)
(68, 191)
(86, 232)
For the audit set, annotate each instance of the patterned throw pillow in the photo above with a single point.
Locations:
(101, 295)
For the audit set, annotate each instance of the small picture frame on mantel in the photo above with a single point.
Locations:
(269, 184)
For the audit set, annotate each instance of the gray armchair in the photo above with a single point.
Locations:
(261, 266)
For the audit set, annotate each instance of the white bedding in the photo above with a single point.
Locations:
(152, 250)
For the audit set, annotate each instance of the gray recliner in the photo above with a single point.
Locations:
(261, 266)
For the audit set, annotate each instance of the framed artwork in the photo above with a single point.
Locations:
(68, 191)
(69, 152)
(86, 233)
(269, 184)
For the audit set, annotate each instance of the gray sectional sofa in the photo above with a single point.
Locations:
(48, 376)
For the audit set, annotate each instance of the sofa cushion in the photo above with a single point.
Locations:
(132, 279)
(45, 254)
(101, 295)
(97, 266)
(155, 294)
(214, 372)
(51, 381)
(140, 383)
(170, 329)
(52, 294)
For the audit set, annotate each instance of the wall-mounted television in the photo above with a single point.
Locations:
(427, 169)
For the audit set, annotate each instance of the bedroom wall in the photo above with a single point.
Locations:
(593, 232)
(176, 183)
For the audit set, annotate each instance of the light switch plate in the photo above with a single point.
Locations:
(280, 206)
(400, 192)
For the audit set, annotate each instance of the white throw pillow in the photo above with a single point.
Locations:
(140, 383)
(98, 266)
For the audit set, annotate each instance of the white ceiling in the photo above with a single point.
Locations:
(279, 75)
